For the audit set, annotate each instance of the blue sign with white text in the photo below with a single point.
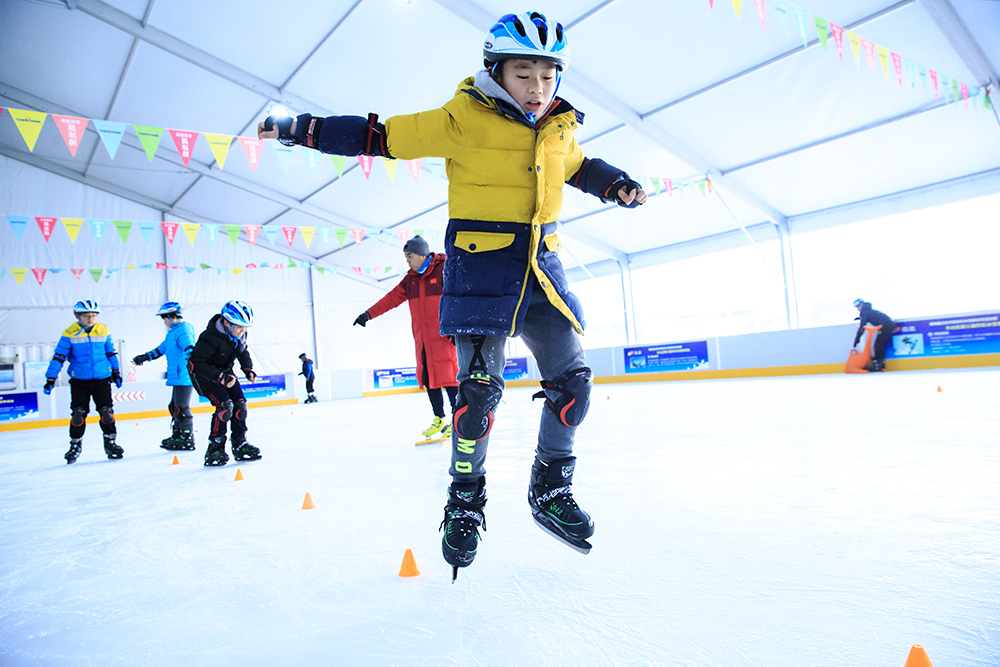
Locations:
(668, 357)
(946, 336)
(515, 368)
(265, 387)
(18, 406)
(390, 378)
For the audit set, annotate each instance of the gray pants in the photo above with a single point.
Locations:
(180, 409)
(557, 350)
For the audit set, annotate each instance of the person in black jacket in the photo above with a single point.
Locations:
(211, 368)
(871, 317)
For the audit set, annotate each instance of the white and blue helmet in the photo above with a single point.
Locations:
(86, 306)
(170, 308)
(238, 313)
(530, 36)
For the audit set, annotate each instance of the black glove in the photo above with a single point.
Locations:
(630, 186)
(362, 319)
(284, 124)
(857, 339)
(248, 372)
(49, 383)
(141, 359)
(226, 378)
(116, 377)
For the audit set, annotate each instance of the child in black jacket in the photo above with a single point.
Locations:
(211, 368)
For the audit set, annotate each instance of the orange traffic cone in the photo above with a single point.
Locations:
(176, 461)
(308, 503)
(409, 567)
(939, 388)
(239, 476)
(918, 657)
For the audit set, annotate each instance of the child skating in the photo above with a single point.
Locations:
(176, 347)
(211, 368)
(509, 147)
(93, 366)
(310, 376)
(437, 364)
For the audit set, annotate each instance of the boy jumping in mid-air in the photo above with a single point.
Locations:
(509, 148)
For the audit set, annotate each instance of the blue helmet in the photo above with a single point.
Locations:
(86, 306)
(238, 313)
(529, 35)
(170, 308)
(859, 302)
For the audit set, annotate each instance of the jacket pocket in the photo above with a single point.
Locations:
(482, 241)
(552, 243)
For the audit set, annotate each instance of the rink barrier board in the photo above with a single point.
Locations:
(915, 364)
(147, 414)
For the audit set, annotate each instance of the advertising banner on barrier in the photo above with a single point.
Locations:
(689, 356)
(393, 378)
(515, 368)
(18, 406)
(266, 386)
(946, 336)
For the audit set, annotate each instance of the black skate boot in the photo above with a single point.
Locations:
(216, 455)
(462, 517)
(75, 445)
(110, 448)
(244, 451)
(553, 507)
(180, 441)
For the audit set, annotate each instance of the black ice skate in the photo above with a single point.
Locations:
(462, 517)
(216, 455)
(110, 448)
(244, 451)
(75, 445)
(553, 507)
(179, 441)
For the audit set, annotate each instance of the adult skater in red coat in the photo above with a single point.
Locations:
(437, 363)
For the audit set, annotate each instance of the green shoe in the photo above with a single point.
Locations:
(435, 427)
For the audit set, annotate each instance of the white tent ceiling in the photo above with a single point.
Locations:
(788, 133)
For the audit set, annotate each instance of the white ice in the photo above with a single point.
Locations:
(799, 522)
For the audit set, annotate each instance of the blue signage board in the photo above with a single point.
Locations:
(515, 368)
(18, 406)
(392, 378)
(265, 387)
(668, 357)
(946, 336)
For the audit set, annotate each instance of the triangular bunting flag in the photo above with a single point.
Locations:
(385, 236)
(96, 274)
(237, 271)
(738, 6)
(780, 8)
(321, 270)
(289, 233)
(366, 164)
(19, 275)
(869, 48)
(184, 141)
(390, 167)
(72, 227)
(855, 47)
(30, 125)
(161, 265)
(145, 228)
(279, 265)
(111, 272)
(965, 93)
(233, 231)
(954, 90)
(190, 269)
(404, 234)
(711, 4)
(271, 233)
(170, 229)
(149, 137)
(251, 231)
(759, 4)
(435, 234)
(418, 232)
(838, 39)
(71, 128)
(47, 225)
(821, 30)
(325, 233)
(656, 183)
(310, 157)
(292, 264)
(252, 149)
(203, 265)
(358, 234)
(338, 163)
(800, 18)
(414, 167)
(307, 235)
(376, 270)
(934, 80)
(883, 56)
(56, 271)
(18, 223)
(190, 230)
(112, 134)
(123, 227)
(253, 266)
(39, 275)
(897, 62)
(341, 235)
(98, 228)
(77, 272)
(219, 144)
(211, 231)
(357, 270)
(284, 155)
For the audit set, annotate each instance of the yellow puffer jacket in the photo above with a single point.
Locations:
(504, 196)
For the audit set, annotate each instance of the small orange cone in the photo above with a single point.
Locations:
(409, 567)
(176, 461)
(918, 657)
(939, 388)
(308, 503)
(239, 476)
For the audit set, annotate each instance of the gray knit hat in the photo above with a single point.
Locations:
(418, 246)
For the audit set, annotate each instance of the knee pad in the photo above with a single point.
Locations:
(107, 415)
(568, 396)
(240, 410)
(184, 413)
(224, 410)
(478, 396)
(79, 417)
(173, 410)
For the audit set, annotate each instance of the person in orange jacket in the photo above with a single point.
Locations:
(437, 363)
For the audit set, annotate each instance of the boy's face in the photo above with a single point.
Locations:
(236, 330)
(414, 260)
(87, 319)
(532, 83)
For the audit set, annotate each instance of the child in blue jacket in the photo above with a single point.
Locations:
(310, 376)
(177, 347)
(93, 366)
(509, 148)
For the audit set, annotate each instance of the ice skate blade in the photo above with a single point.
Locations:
(583, 546)
(248, 458)
(430, 441)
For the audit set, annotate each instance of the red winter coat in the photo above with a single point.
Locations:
(424, 294)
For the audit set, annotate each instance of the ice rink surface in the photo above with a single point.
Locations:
(786, 522)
